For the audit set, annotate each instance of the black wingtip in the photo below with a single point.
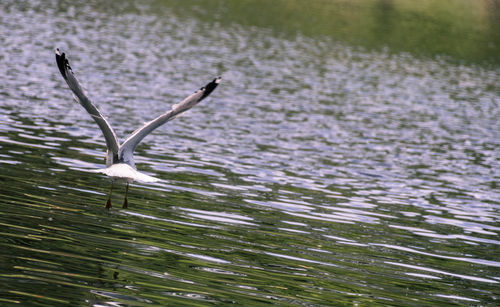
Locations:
(62, 62)
(210, 87)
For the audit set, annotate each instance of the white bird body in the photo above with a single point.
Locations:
(125, 172)
(120, 163)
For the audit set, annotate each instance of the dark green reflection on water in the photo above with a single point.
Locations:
(461, 29)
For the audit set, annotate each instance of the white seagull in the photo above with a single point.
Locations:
(120, 158)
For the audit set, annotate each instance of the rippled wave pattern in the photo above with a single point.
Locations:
(316, 174)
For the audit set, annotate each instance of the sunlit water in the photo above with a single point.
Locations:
(316, 174)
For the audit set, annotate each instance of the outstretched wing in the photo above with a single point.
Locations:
(81, 97)
(127, 148)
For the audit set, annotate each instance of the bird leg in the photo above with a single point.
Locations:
(125, 202)
(108, 202)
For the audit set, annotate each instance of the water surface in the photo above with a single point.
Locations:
(320, 172)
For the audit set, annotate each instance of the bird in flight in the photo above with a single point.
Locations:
(120, 164)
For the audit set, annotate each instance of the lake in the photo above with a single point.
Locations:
(350, 155)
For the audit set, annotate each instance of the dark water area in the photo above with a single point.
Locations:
(460, 31)
(332, 166)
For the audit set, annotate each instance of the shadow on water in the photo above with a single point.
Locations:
(318, 174)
